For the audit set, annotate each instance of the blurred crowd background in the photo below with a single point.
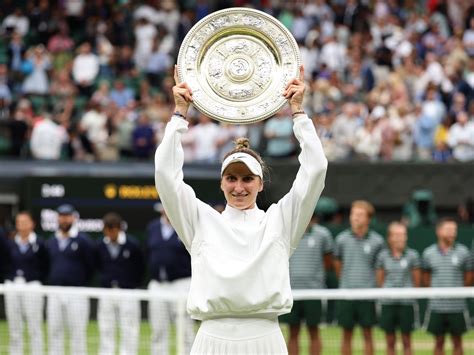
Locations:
(91, 80)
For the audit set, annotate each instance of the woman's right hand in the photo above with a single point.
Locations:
(182, 94)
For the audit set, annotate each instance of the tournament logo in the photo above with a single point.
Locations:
(455, 260)
(367, 248)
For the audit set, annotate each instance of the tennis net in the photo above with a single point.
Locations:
(37, 319)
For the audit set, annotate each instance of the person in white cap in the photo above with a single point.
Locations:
(240, 276)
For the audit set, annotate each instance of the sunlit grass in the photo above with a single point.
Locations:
(331, 335)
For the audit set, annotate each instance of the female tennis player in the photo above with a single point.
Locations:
(240, 278)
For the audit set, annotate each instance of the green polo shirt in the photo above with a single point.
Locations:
(358, 256)
(307, 262)
(447, 270)
(398, 271)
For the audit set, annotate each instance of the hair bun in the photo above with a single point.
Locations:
(242, 143)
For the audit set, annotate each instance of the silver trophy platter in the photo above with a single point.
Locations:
(237, 62)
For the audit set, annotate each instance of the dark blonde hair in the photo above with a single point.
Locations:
(393, 225)
(366, 205)
(242, 145)
(444, 220)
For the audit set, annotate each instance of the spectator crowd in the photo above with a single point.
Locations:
(389, 80)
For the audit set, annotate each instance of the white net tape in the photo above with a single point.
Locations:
(385, 293)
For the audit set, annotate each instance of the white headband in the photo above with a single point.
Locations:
(252, 163)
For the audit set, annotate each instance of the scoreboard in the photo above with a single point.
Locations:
(93, 197)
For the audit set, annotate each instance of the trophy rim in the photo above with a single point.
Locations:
(260, 35)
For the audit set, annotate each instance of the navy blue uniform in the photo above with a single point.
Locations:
(73, 266)
(168, 260)
(120, 264)
(27, 266)
(32, 264)
(126, 270)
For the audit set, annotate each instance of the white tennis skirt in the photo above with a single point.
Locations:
(246, 336)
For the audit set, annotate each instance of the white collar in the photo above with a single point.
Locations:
(122, 239)
(73, 233)
(164, 222)
(252, 214)
(31, 238)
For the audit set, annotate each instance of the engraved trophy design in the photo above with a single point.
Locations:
(237, 62)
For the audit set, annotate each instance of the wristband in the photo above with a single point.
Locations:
(179, 114)
(297, 113)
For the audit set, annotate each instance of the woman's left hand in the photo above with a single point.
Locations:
(294, 92)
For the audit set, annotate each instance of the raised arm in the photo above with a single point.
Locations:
(294, 92)
(298, 204)
(178, 198)
(182, 94)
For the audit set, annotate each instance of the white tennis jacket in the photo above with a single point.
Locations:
(239, 258)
